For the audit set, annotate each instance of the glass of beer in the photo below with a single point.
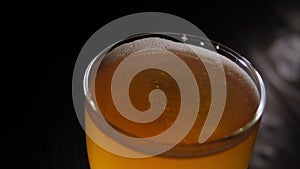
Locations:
(171, 100)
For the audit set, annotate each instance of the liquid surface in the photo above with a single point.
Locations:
(241, 103)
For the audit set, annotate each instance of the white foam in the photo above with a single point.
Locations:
(156, 43)
(207, 56)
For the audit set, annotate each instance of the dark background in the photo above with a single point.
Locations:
(45, 133)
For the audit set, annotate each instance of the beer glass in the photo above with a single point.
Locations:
(171, 100)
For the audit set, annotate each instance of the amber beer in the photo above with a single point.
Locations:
(229, 147)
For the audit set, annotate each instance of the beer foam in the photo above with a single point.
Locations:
(186, 50)
(147, 43)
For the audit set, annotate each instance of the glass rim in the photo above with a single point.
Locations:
(259, 83)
